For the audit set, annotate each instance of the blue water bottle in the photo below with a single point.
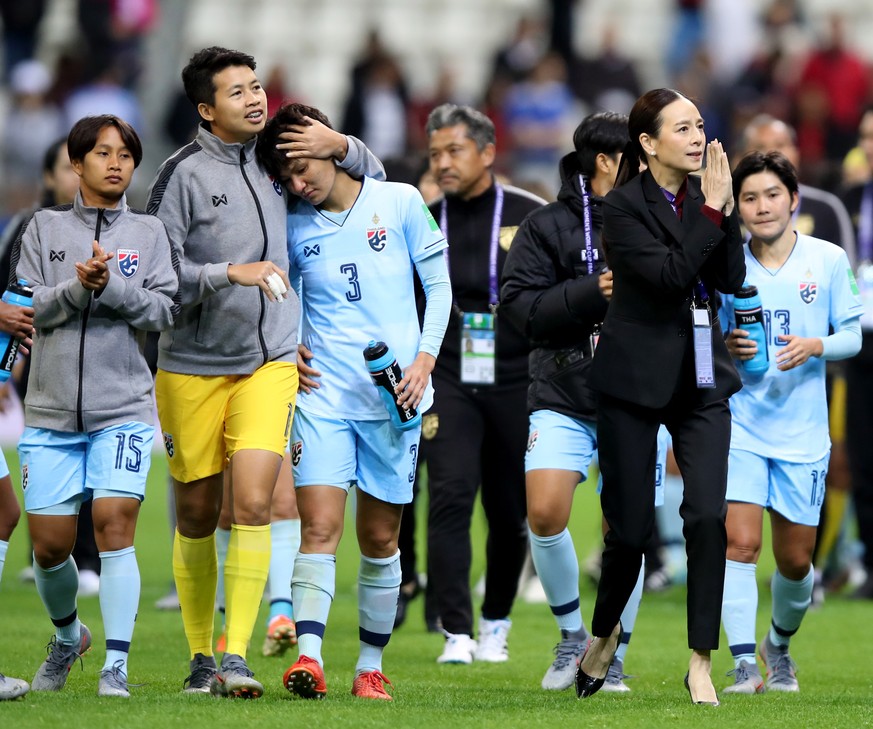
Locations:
(750, 317)
(386, 374)
(18, 294)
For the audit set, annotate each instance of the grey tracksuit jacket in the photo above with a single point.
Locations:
(88, 370)
(221, 207)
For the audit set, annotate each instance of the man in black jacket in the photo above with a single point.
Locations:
(476, 430)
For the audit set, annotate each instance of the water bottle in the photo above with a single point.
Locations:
(750, 317)
(386, 374)
(18, 294)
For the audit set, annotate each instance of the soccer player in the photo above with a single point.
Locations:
(227, 378)
(555, 289)
(353, 244)
(102, 276)
(779, 439)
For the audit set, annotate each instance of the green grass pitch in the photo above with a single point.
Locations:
(832, 651)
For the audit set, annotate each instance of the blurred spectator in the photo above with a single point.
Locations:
(606, 81)
(688, 35)
(375, 109)
(181, 120)
(31, 125)
(276, 88)
(105, 94)
(445, 92)
(540, 114)
(21, 19)
(114, 31)
(833, 88)
(515, 61)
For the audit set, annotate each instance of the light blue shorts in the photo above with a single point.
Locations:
(556, 440)
(794, 490)
(61, 470)
(4, 467)
(660, 466)
(371, 454)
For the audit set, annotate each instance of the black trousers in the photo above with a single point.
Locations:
(480, 440)
(627, 446)
(859, 439)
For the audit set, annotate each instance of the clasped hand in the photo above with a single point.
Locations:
(716, 183)
(93, 274)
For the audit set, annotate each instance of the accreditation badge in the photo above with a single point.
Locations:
(478, 348)
(703, 363)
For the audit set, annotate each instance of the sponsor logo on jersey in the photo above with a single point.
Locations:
(808, 291)
(57, 255)
(219, 200)
(377, 238)
(128, 261)
(311, 250)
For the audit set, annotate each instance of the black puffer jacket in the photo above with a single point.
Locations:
(548, 294)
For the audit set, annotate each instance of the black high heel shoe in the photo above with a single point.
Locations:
(588, 685)
(699, 703)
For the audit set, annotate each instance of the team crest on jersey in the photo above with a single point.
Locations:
(168, 444)
(430, 424)
(296, 452)
(377, 238)
(808, 291)
(276, 186)
(128, 261)
(532, 440)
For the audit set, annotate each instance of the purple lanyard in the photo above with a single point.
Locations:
(586, 224)
(699, 288)
(493, 291)
(865, 225)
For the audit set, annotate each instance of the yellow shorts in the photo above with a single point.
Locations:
(206, 419)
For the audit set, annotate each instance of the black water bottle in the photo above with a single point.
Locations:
(386, 374)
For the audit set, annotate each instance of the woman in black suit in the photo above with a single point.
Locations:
(672, 241)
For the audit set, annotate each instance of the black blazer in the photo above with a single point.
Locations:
(645, 354)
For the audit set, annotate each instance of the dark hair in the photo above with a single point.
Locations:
(479, 127)
(83, 136)
(645, 118)
(775, 162)
(288, 115)
(198, 76)
(605, 132)
(48, 168)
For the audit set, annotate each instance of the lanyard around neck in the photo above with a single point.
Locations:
(865, 225)
(586, 224)
(493, 291)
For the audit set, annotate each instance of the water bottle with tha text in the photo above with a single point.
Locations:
(386, 374)
(750, 317)
(18, 294)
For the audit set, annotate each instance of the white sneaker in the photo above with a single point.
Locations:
(459, 648)
(492, 646)
(89, 583)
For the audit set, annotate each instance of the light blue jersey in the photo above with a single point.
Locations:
(357, 282)
(784, 416)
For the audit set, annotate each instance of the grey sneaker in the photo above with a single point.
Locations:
(12, 688)
(747, 679)
(234, 679)
(615, 677)
(202, 668)
(52, 674)
(113, 681)
(781, 670)
(568, 653)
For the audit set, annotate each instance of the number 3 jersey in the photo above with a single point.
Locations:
(356, 272)
(784, 415)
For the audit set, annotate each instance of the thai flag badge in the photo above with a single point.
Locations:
(128, 261)
(377, 238)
